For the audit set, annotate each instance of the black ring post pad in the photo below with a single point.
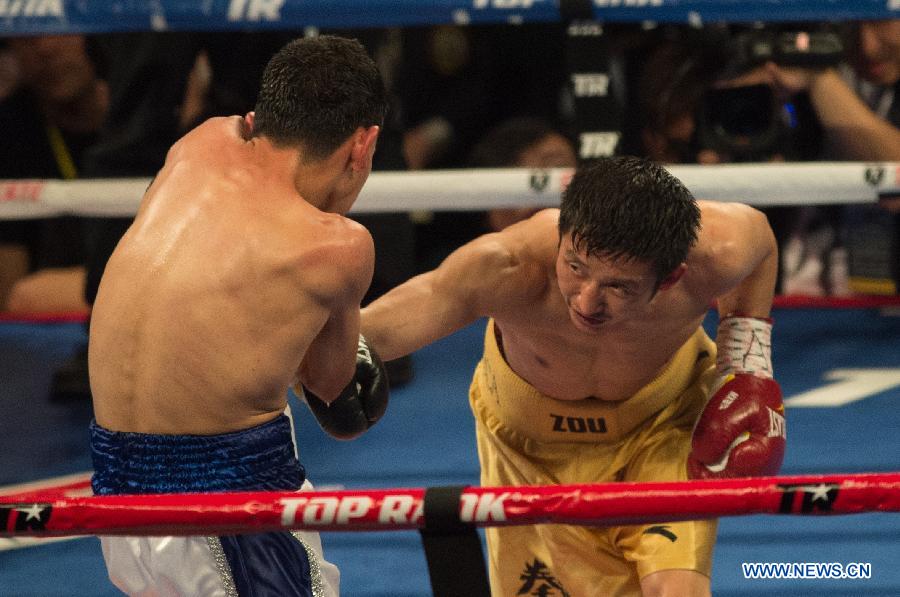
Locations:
(452, 548)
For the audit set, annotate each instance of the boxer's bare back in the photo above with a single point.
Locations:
(218, 290)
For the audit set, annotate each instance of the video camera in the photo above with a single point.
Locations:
(750, 123)
(802, 47)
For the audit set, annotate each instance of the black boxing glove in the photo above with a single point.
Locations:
(360, 404)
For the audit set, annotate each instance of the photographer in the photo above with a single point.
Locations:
(789, 92)
(854, 101)
(692, 112)
(702, 100)
(856, 105)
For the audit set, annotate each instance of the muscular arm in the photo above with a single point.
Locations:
(471, 283)
(743, 258)
(854, 131)
(741, 431)
(330, 360)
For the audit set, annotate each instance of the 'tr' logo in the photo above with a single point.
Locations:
(255, 10)
(25, 517)
(813, 498)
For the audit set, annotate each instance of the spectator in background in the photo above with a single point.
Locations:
(858, 107)
(854, 103)
(452, 84)
(455, 82)
(523, 142)
(670, 89)
(691, 113)
(518, 142)
(687, 115)
(51, 115)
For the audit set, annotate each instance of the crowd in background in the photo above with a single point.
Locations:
(485, 96)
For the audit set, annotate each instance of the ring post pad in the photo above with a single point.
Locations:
(452, 547)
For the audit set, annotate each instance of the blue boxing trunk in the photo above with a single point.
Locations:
(261, 458)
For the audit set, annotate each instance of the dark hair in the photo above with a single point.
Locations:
(674, 79)
(316, 91)
(502, 146)
(628, 207)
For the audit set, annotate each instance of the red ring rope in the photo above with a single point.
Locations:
(394, 509)
(44, 317)
(801, 301)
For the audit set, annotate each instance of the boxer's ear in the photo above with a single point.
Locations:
(248, 124)
(363, 148)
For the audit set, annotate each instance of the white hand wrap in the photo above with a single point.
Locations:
(744, 346)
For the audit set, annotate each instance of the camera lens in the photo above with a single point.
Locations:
(740, 111)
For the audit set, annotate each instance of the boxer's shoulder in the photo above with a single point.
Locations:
(211, 140)
(335, 250)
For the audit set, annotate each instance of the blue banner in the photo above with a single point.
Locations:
(22, 17)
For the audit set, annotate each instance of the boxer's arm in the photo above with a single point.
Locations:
(330, 360)
(741, 432)
(467, 285)
(744, 258)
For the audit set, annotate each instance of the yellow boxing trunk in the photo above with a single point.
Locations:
(527, 438)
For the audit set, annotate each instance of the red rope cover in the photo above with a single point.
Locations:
(44, 317)
(394, 509)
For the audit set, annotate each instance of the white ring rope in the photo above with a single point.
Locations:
(769, 184)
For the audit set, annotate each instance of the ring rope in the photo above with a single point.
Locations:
(73, 485)
(785, 301)
(788, 183)
(397, 509)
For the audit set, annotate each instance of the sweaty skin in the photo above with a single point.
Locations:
(222, 285)
(577, 326)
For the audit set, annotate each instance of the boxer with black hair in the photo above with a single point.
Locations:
(596, 367)
(239, 278)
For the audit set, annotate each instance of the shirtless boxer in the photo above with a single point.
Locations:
(237, 280)
(596, 367)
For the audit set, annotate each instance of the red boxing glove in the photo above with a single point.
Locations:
(741, 432)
